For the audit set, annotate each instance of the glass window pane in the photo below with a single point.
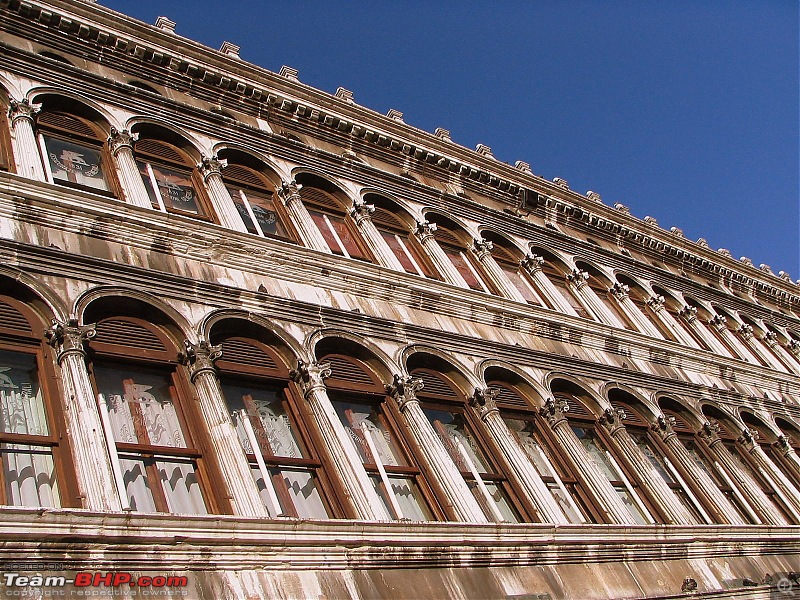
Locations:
(346, 236)
(406, 493)
(451, 429)
(519, 282)
(75, 163)
(242, 209)
(565, 505)
(631, 505)
(640, 438)
(302, 489)
(596, 452)
(148, 183)
(21, 403)
(325, 230)
(499, 499)
(29, 474)
(397, 247)
(264, 210)
(137, 486)
(181, 486)
(140, 405)
(460, 263)
(176, 190)
(354, 417)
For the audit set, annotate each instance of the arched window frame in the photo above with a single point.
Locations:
(403, 245)
(559, 281)
(6, 155)
(510, 265)
(454, 245)
(334, 223)
(21, 335)
(256, 203)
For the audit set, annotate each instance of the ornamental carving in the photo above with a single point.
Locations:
(612, 419)
(664, 425)
(212, 166)
(794, 347)
(619, 290)
(288, 190)
(709, 432)
(69, 337)
(483, 401)
(746, 331)
(23, 109)
(688, 313)
(656, 302)
(482, 248)
(532, 263)
(748, 438)
(784, 443)
(553, 410)
(120, 139)
(771, 338)
(578, 278)
(425, 230)
(719, 321)
(403, 390)
(361, 210)
(310, 376)
(199, 357)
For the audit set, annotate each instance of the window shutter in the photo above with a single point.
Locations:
(632, 417)
(65, 122)
(12, 319)
(321, 199)
(244, 176)
(243, 353)
(509, 397)
(577, 410)
(158, 149)
(386, 220)
(346, 371)
(435, 385)
(680, 425)
(120, 332)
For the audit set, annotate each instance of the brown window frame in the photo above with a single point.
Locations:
(319, 201)
(388, 224)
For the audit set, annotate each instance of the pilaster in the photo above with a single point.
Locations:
(620, 292)
(578, 282)
(445, 267)
(656, 304)
(211, 170)
(120, 144)
(483, 251)
(26, 150)
(361, 212)
(689, 316)
(532, 263)
(289, 195)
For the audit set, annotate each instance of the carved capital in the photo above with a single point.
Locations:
(656, 303)
(688, 313)
(719, 321)
(121, 139)
(483, 401)
(403, 390)
(794, 347)
(771, 339)
(425, 230)
(553, 411)
(310, 376)
(23, 109)
(199, 357)
(69, 337)
(611, 419)
(482, 248)
(709, 432)
(748, 438)
(532, 263)
(211, 165)
(619, 290)
(578, 278)
(784, 444)
(361, 211)
(746, 331)
(288, 191)
(663, 426)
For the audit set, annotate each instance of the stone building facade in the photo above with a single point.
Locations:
(260, 335)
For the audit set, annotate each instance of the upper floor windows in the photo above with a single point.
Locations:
(254, 198)
(455, 243)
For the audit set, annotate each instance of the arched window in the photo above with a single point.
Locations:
(600, 285)
(791, 435)
(508, 260)
(329, 213)
(639, 297)
(556, 472)
(558, 279)
(255, 383)
(397, 235)
(72, 144)
(254, 196)
(159, 438)
(36, 465)
(169, 174)
(455, 243)
(767, 440)
(472, 453)
(373, 426)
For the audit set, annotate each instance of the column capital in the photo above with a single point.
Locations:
(361, 211)
(784, 444)
(425, 230)
(483, 401)
(23, 109)
(611, 419)
(310, 376)
(770, 339)
(120, 139)
(199, 357)
(709, 432)
(793, 346)
(656, 302)
(288, 190)
(482, 248)
(748, 438)
(578, 278)
(746, 331)
(688, 313)
(68, 337)
(211, 165)
(718, 321)
(663, 426)
(532, 263)
(619, 290)
(553, 411)
(403, 390)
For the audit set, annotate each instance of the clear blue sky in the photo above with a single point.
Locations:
(684, 111)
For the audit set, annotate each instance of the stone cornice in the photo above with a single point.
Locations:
(119, 33)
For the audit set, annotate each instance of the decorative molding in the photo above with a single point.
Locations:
(553, 411)
(23, 109)
(577, 277)
(425, 230)
(289, 73)
(482, 248)
(344, 94)
(310, 376)
(120, 139)
(619, 290)
(532, 263)
(361, 210)
(165, 24)
(230, 49)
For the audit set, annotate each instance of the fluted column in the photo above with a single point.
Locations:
(26, 150)
(289, 195)
(784, 446)
(595, 482)
(674, 511)
(757, 348)
(785, 489)
(689, 315)
(720, 323)
(84, 428)
(242, 489)
(744, 482)
(483, 251)
(438, 257)
(211, 170)
(705, 489)
(770, 340)
(533, 265)
(346, 462)
(361, 212)
(656, 304)
(120, 143)
(620, 291)
(457, 493)
(522, 470)
(578, 282)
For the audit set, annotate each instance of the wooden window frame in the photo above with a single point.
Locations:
(411, 247)
(329, 206)
(280, 212)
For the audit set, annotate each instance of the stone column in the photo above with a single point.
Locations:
(346, 462)
(720, 324)
(483, 251)
(672, 508)
(620, 291)
(361, 212)
(706, 490)
(522, 470)
(793, 348)
(457, 493)
(440, 260)
(593, 479)
(211, 170)
(784, 489)
(689, 315)
(289, 195)
(120, 143)
(757, 348)
(26, 150)
(596, 307)
(235, 470)
(744, 482)
(533, 265)
(784, 446)
(770, 340)
(656, 304)
(84, 428)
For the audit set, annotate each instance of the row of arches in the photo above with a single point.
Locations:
(150, 163)
(313, 424)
